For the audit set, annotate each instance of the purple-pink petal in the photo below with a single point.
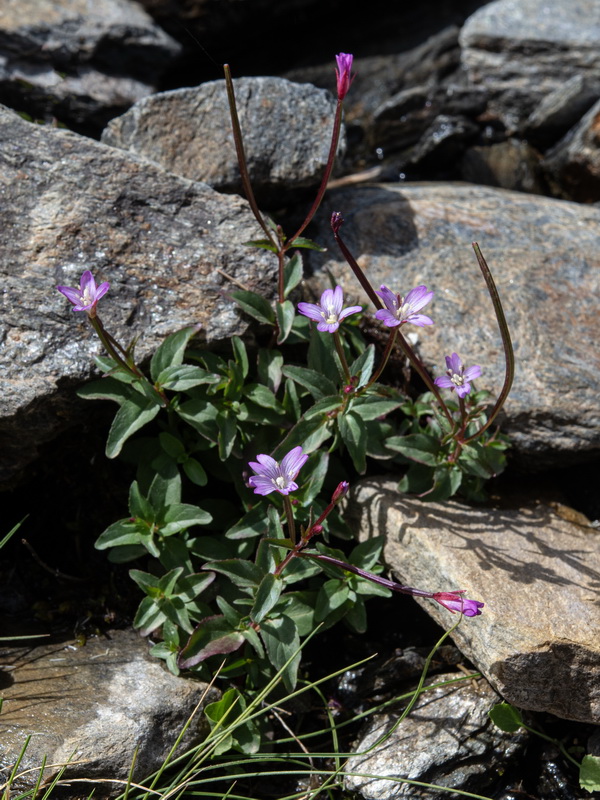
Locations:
(418, 297)
(293, 462)
(454, 363)
(420, 320)
(311, 311)
(444, 382)
(472, 372)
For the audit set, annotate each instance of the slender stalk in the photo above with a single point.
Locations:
(509, 354)
(336, 223)
(241, 156)
(289, 515)
(384, 359)
(340, 351)
(335, 137)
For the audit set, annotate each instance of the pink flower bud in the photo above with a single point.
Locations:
(343, 69)
(341, 491)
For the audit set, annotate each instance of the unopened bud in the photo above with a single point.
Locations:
(336, 221)
(342, 489)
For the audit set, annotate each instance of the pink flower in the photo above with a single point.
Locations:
(344, 66)
(457, 377)
(454, 602)
(274, 477)
(399, 310)
(329, 312)
(86, 297)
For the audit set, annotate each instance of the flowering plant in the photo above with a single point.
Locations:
(231, 592)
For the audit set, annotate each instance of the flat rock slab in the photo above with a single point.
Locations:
(164, 243)
(286, 129)
(447, 739)
(77, 61)
(538, 638)
(94, 705)
(543, 254)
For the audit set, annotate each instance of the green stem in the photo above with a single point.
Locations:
(340, 351)
(509, 354)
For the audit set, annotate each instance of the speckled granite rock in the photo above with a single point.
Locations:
(537, 572)
(286, 128)
(94, 705)
(71, 204)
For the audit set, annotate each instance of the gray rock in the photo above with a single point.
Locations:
(541, 252)
(447, 739)
(71, 204)
(286, 129)
(512, 164)
(94, 705)
(573, 165)
(523, 49)
(561, 110)
(444, 141)
(537, 572)
(78, 62)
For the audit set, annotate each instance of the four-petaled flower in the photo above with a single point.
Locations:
(454, 602)
(457, 377)
(271, 476)
(329, 312)
(344, 66)
(87, 295)
(399, 310)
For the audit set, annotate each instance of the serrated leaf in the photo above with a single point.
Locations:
(171, 351)
(255, 305)
(135, 412)
(506, 717)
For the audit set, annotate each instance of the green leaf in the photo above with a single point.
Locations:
(301, 241)
(354, 436)
(171, 351)
(318, 385)
(106, 389)
(263, 397)
(135, 412)
(589, 773)
(254, 305)
(195, 472)
(371, 407)
(316, 469)
(181, 516)
(263, 244)
(292, 273)
(165, 489)
(417, 446)
(266, 597)
(148, 583)
(148, 617)
(269, 364)
(240, 354)
(282, 643)
(172, 445)
(202, 416)
(310, 433)
(366, 554)
(213, 636)
(252, 524)
(181, 377)
(323, 406)
(226, 423)
(356, 616)
(285, 319)
(123, 532)
(243, 574)
(139, 506)
(363, 365)
(506, 717)
(332, 596)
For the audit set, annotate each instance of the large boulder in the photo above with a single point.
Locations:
(165, 244)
